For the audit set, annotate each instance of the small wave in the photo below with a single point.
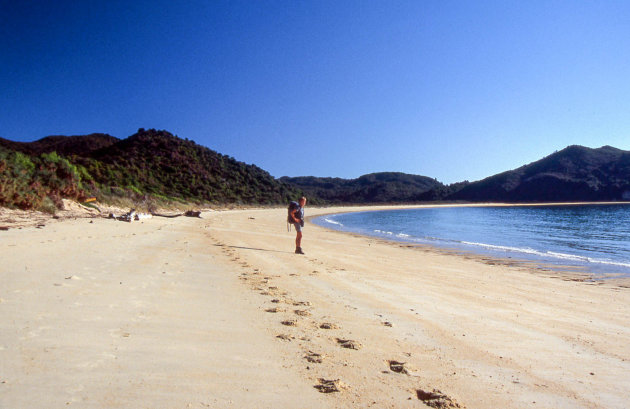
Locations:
(403, 235)
(548, 254)
(611, 263)
(568, 256)
(526, 250)
(587, 259)
(389, 233)
(332, 222)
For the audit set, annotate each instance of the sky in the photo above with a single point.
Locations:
(453, 90)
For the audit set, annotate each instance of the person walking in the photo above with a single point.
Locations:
(296, 218)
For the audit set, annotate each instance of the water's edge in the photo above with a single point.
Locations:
(555, 260)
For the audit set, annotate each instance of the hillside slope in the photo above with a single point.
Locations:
(159, 163)
(149, 165)
(575, 173)
(81, 145)
(385, 187)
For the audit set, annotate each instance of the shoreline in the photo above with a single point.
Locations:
(377, 207)
(15, 218)
(582, 271)
(219, 312)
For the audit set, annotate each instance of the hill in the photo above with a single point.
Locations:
(159, 163)
(575, 173)
(81, 145)
(148, 166)
(385, 187)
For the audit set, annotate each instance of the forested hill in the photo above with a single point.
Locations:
(149, 165)
(159, 163)
(81, 145)
(575, 173)
(385, 187)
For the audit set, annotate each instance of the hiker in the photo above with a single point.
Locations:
(296, 218)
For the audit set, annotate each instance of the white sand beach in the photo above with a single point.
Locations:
(219, 312)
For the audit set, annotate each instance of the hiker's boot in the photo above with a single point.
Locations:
(298, 250)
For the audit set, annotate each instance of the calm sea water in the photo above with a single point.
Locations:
(595, 238)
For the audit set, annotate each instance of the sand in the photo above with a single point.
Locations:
(219, 313)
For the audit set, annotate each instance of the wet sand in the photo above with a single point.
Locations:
(218, 312)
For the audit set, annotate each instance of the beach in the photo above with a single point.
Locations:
(219, 312)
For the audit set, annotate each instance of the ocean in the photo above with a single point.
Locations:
(591, 238)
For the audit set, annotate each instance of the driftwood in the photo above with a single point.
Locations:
(189, 213)
(133, 215)
(166, 215)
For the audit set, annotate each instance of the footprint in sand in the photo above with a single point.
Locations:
(330, 385)
(437, 399)
(275, 309)
(314, 357)
(399, 367)
(349, 344)
(285, 337)
(289, 323)
(302, 313)
(328, 325)
(304, 303)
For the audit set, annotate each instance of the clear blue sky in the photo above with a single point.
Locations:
(448, 89)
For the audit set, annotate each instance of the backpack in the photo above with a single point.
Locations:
(293, 206)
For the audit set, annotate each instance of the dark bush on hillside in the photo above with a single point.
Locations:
(37, 182)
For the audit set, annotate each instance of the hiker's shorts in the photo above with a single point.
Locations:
(298, 227)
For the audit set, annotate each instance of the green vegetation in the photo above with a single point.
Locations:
(38, 182)
(149, 169)
(575, 173)
(385, 187)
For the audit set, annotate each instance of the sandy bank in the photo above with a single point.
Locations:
(219, 312)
